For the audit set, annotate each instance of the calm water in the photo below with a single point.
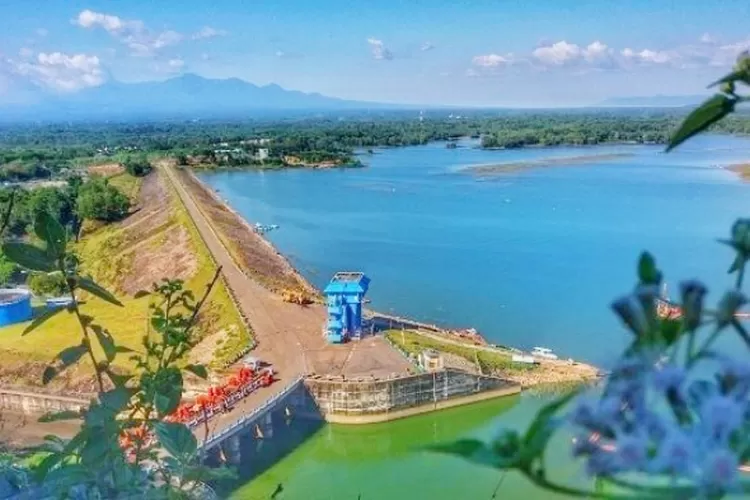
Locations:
(531, 258)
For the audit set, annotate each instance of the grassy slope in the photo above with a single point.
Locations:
(101, 249)
(413, 343)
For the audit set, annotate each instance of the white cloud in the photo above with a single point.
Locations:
(557, 54)
(41, 32)
(563, 53)
(379, 50)
(176, 63)
(648, 56)
(133, 33)
(426, 46)
(63, 72)
(208, 32)
(25, 52)
(492, 60)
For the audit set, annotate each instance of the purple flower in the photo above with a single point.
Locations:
(601, 463)
(668, 377)
(719, 472)
(654, 426)
(584, 445)
(720, 416)
(676, 454)
(631, 451)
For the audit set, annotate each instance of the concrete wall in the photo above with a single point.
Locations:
(31, 402)
(360, 402)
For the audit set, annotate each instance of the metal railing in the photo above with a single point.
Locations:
(212, 440)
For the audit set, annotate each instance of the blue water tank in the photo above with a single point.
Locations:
(15, 306)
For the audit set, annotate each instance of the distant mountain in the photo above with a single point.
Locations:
(660, 101)
(187, 96)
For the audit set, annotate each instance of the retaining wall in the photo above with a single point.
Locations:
(31, 402)
(362, 401)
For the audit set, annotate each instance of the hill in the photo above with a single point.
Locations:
(188, 97)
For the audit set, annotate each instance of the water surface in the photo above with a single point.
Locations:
(530, 258)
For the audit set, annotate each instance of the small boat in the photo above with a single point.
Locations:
(543, 352)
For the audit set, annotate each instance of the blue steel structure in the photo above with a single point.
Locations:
(344, 297)
(15, 306)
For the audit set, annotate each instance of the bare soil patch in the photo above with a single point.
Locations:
(106, 169)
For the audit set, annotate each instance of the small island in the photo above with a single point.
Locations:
(509, 167)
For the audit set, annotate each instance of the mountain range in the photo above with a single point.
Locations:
(186, 96)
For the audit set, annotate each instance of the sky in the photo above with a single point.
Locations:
(476, 53)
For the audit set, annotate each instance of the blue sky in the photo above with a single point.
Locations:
(507, 53)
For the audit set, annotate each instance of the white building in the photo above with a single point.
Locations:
(262, 154)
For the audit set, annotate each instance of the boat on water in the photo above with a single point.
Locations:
(543, 352)
(264, 228)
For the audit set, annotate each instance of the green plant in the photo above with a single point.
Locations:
(99, 200)
(137, 166)
(95, 463)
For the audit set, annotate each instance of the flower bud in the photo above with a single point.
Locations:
(630, 311)
(692, 303)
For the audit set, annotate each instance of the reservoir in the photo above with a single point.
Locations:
(532, 257)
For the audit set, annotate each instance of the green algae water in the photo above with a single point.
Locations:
(533, 257)
(384, 461)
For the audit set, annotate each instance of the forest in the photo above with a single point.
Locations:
(52, 151)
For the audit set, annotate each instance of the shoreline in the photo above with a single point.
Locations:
(262, 239)
(547, 371)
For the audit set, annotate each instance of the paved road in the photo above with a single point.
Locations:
(277, 345)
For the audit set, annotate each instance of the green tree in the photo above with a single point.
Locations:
(8, 269)
(98, 200)
(137, 166)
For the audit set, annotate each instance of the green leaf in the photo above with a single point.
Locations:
(71, 355)
(94, 289)
(648, 274)
(176, 439)
(40, 319)
(49, 373)
(198, 371)
(473, 451)
(50, 231)
(107, 343)
(737, 264)
(141, 293)
(708, 113)
(28, 256)
(168, 391)
(117, 379)
(116, 400)
(737, 75)
(48, 463)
